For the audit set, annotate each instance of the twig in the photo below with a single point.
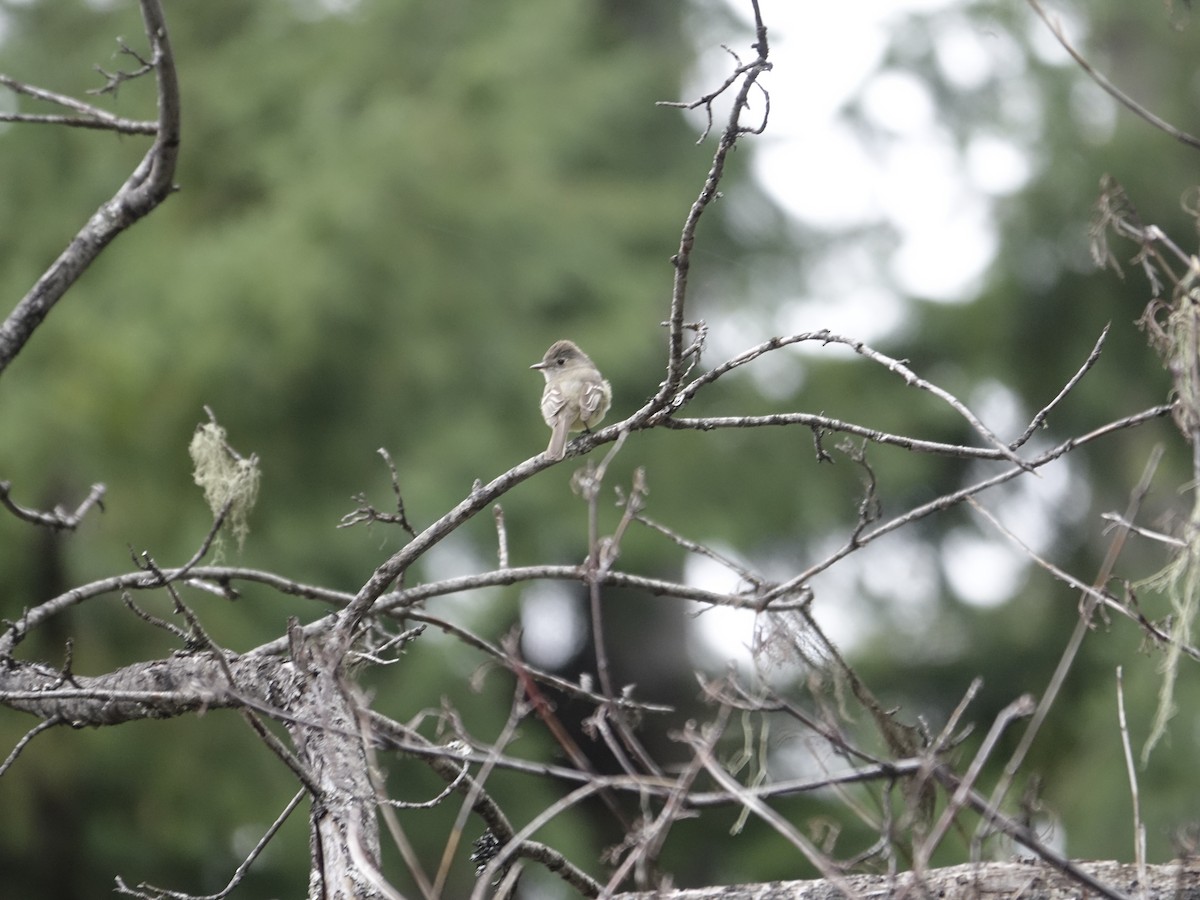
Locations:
(1020, 708)
(545, 711)
(1139, 827)
(90, 116)
(150, 183)
(1039, 420)
(744, 572)
(1097, 596)
(169, 627)
(785, 828)
(1147, 533)
(821, 424)
(516, 713)
(682, 258)
(631, 505)
(119, 125)
(896, 366)
(386, 810)
(396, 738)
(59, 519)
(365, 865)
(707, 100)
(602, 553)
(201, 639)
(33, 732)
(870, 508)
(946, 501)
(396, 565)
(201, 551)
(1022, 835)
(653, 835)
(1088, 605)
(657, 586)
(587, 482)
(239, 873)
(501, 536)
(945, 737)
(114, 80)
(368, 513)
(1111, 89)
(931, 759)
(519, 844)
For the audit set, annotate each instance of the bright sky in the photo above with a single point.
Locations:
(816, 168)
(938, 199)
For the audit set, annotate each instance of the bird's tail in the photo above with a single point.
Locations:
(558, 437)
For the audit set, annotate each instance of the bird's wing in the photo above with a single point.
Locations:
(592, 401)
(553, 403)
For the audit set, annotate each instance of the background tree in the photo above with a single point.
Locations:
(326, 294)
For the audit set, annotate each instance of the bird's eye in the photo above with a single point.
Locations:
(561, 360)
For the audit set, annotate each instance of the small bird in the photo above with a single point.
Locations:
(576, 395)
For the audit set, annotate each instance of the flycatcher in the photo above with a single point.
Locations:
(576, 395)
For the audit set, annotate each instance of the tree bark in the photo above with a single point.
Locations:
(343, 830)
(1026, 880)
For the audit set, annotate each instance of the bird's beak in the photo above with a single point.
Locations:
(540, 365)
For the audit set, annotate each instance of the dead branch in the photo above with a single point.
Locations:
(1108, 87)
(148, 185)
(970, 881)
(734, 129)
(58, 518)
(89, 116)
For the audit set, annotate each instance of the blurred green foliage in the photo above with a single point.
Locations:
(386, 214)
(384, 217)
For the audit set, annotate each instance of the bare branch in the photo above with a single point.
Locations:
(1039, 420)
(516, 713)
(770, 816)
(367, 513)
(399, 837)
(1097, 596)
(651, 837)
(946, 501)
(1109, 88)
(501, 536)
(1020, 708)
(148, 186)
(26, 738)
(682, 259)
(58, 519)
(1139, 828)
(995, 819)
(155, 689)
(825, 336)
(445, 762)
(1087, 607)
(152, 893)
(1120, 522)
(89, 116)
